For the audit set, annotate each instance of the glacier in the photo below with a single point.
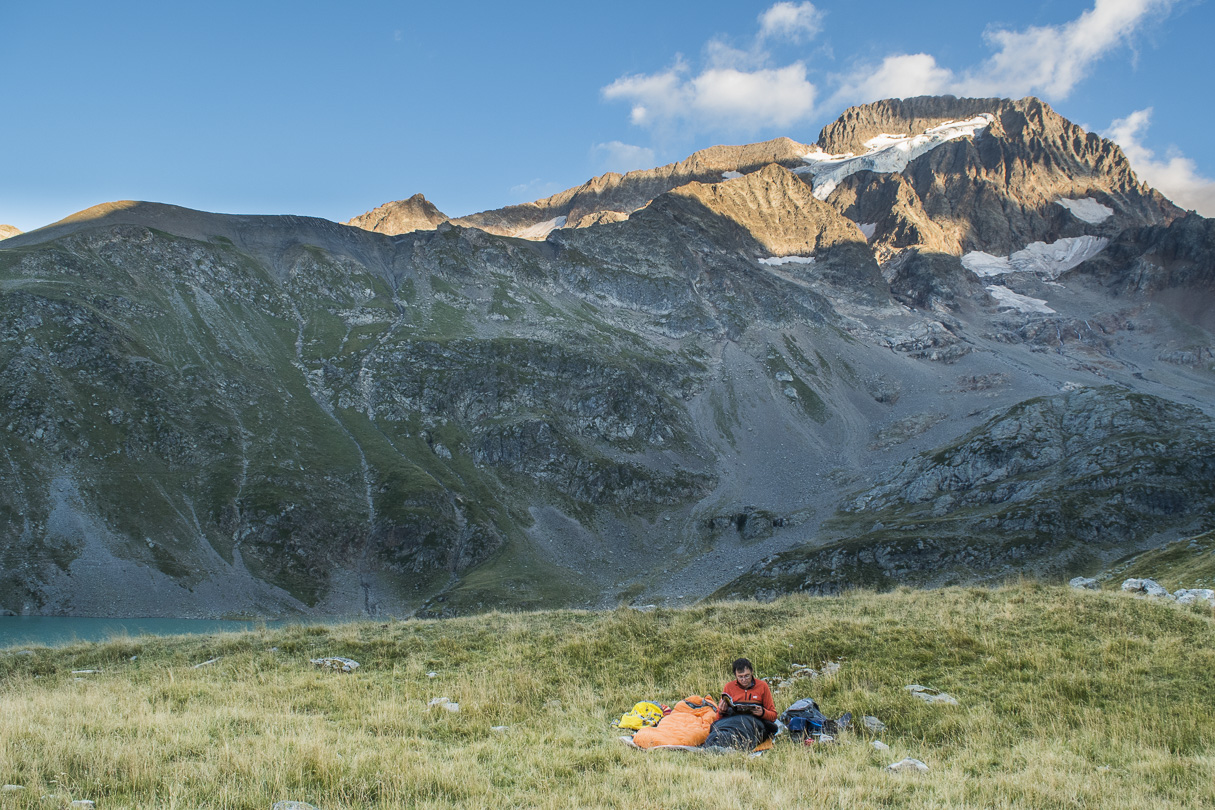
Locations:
(1087, 210)
(887, 153)
(1049, 260)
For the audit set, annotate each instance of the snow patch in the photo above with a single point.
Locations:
(731, 175)
(1007, 299)
(542, 230)
(776, 261)
(1048, 260)
(867, 228)
(887, 153)
(1087, 209)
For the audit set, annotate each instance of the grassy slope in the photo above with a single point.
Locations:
(1068, 698)
(1188, 563)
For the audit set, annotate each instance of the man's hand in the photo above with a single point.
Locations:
(758, 711)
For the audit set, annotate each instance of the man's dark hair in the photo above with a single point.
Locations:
(741, 664)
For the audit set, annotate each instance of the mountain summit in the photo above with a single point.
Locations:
(952, 341)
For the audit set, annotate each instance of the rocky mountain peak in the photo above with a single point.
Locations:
(402, 216)
(1019, 179)
(8, 230)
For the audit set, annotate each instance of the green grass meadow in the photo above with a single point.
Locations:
(1066, 699)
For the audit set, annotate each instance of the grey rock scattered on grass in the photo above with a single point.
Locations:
(445, 703)
(1189, 596)
(12, 789)
(83, 804)
(1084, 583)
(1145, 586)
(930, 695)
(500, 729)
(293, 806)
(336, 663)
(872, 723)
(907, 764)
(881, 746)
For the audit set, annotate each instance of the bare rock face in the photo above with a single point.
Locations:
(403, 216)
(995, 192)
(8, 230)
(778, 209)
(612, 196)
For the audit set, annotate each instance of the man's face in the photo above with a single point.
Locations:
(745, 678)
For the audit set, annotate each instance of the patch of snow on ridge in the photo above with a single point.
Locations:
(868, 229)
(776, 261)
(731, 175)
(887, 153)
(1007, 299)
(542, 230)
(985, 265)
(1047, 260)
(1087, 210)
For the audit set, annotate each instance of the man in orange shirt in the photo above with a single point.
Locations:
(747, 689)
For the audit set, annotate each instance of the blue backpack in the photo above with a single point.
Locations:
(804, 718)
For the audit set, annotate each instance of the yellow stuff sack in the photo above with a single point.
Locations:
(642, 714)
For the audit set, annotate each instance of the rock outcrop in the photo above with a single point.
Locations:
(8, 230)
(403, 216)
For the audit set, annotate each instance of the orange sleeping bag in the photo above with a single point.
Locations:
(687, 724)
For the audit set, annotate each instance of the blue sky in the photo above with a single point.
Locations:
(330, 109)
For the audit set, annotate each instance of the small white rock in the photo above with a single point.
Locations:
(907, 764)
(12, 788)
(881, 746)
(930, 695)
(335, 662)
(292, 806)
(86, 672)
(1188, 596)
(432, 674)
(872, 723)
(452, 707)
(500, 729)
(439, 701)
(1084, 583)
(83, 804)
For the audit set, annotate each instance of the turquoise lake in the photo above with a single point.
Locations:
(53, 631)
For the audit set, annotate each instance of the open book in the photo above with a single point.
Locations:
(729, 706)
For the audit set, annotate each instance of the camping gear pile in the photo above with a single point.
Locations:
(690, 724)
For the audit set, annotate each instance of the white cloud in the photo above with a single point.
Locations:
(615, 156)
(793, 21)
(899, 76)
(1040, 60)
(721, 98)
(733, 90)
(1052, 60)
(1176, 178)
